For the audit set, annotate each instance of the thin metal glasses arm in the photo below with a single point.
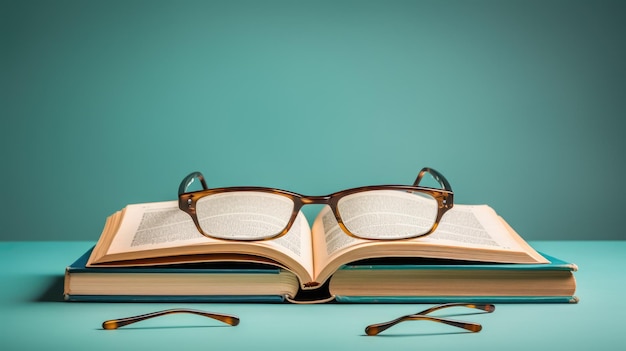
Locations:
(116, 323)
(375, 329)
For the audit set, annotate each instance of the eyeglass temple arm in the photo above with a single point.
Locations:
(116, 323)
(487, 307)
(375, 329)
(435, 174)
(189, 179)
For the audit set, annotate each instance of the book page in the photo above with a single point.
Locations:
(154, 225)
(467, 225)
(473, 225)
(162, 225)
(470, 232)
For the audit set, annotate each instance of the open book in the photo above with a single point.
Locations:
(159, 233)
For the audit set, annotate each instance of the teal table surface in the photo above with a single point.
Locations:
(34, 316)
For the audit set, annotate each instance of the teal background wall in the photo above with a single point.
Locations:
(521, 104)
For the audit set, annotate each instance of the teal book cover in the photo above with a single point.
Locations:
(440, 281)
(198, 282)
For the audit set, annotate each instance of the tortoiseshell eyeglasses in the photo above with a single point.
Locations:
(378, 212)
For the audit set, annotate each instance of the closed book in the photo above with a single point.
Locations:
(201, 282)
(439, 281)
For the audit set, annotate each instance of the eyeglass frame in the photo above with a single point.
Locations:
(445, 201)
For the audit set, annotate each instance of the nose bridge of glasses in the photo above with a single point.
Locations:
(315, 200)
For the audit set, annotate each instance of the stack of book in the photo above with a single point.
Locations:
(153, 252)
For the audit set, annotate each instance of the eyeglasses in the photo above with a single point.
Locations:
(375, 329)
(378, 212)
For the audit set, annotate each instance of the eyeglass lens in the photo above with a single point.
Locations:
(248, 215)
(388, 214)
